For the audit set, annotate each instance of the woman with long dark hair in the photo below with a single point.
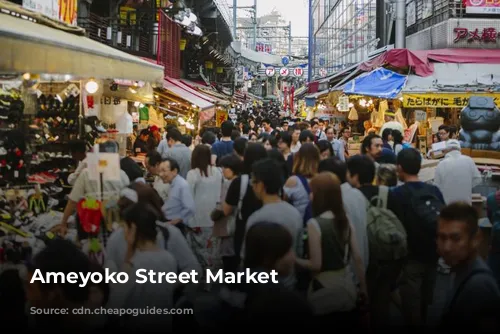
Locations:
(332, 244)
(205, 182)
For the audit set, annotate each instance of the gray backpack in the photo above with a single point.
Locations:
(386, 234)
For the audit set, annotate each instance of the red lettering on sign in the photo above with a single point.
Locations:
(461, 33)
(489, 35)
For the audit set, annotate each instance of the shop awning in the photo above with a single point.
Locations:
(466, 77)
(208, 91)
(380, 83)
(35, 48)
(186, 95)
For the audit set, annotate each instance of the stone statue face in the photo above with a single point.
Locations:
(480, 119)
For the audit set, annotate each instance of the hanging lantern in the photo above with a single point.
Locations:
(182, 44)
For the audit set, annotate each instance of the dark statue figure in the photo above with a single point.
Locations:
(480, 122)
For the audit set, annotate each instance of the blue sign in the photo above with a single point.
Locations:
(285, 60)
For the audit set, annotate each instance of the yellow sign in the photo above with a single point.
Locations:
(182, 44)
(128, 15)
(221, 117)
(220, 70)
(443, 100)
(68, 10)
(209, 65)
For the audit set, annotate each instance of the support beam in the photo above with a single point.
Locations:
(400, 41)
(235, 17)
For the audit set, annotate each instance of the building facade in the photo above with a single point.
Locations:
(272, 36)
(439, 24)
(343, 32)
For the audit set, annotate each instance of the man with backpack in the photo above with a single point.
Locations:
(417, 205)
(386, 239)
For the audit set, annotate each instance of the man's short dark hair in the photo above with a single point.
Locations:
(154, 158)
(170, 127)
(77, 146)
(208, 138)
(246, 129)
(410, 161)
(187, 140)
(335, 166)
(367, 142)
(240, 145)
(174, 165)
(286, 137)
(175, 135)
(144, 132)
(235, 134)
(266, 120)
(304, 135)
(446, 128)
(462, 212)
(270, 174)
(227, 128)
(363, 167)
(62, 256)
(232, 162)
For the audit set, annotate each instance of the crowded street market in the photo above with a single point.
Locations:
(191, 166)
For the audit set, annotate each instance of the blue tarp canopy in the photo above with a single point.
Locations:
(381, 83)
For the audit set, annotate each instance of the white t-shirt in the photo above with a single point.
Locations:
(84, 186)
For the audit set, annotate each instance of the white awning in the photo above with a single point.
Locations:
(455, 77)
(188, 96)
(31, 47)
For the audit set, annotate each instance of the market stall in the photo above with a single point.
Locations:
(56, 86)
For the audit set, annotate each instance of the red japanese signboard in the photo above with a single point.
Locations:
(486, 35)
(482, 6)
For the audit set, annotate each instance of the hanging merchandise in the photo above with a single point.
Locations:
(398, 116)
(353, 114)
(90, 215)
(343, 104)
(125, 124)
(382, 108)
(143, 113)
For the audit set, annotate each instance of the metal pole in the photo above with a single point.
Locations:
(400, 40)
(254, 25)
(289, 38)
(235, 13)
(310, 44)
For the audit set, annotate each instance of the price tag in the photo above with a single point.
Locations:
(59, 119)
(16, 174)
(47, 136)
(37, 136)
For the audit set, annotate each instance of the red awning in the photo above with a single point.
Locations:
(187, 96)
(420, 61)
(190, 90)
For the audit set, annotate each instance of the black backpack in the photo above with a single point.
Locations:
(421, 219)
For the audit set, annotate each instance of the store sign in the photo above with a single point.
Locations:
(270, 71)
(61, 10)
(298, 72)
(221, 117)
(263, 47)
(482, 6)
(443, 100)
(284, 71)
(486, 35)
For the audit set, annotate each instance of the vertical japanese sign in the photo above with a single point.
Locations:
(221, 117)
(61, 10)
